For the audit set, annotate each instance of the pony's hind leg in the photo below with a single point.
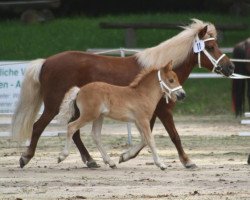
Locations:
(96, 135)
(144, 128)
(38, 128)
(86, 157)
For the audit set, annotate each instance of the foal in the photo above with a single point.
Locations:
(134, 103)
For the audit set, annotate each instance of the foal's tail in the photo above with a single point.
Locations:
(67, 108)
(29, 102)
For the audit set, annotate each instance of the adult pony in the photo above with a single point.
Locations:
(240, 86)
(98, 99)
(49, 79)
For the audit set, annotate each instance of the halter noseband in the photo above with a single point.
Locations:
(199, 46)
(165, 88)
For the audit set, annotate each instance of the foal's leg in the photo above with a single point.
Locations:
(132, 152)
(135, 150)
(72, 128)
(38, 128)
(86, 157)
(96, 135)
(144, 128)
(164, 112)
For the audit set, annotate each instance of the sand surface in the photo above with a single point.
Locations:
(211, 142)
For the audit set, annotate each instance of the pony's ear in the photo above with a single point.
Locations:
(202, 32)
(169, 66)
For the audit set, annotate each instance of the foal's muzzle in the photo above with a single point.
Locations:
(180, 95)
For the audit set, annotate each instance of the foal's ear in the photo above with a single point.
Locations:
(169, 66)
(202, 32)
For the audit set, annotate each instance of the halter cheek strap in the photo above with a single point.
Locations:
(165, 88)
(215, 63)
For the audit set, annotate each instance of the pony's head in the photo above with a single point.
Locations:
(206, 48)
(196, 43)
(170, 84)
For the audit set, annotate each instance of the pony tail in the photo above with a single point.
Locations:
(67, 108)
(29, 102)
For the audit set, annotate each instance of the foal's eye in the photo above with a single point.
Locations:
(171, 80)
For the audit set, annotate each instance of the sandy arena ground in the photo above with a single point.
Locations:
(212, 143)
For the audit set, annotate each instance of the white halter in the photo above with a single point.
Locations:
(199, 46)
(165, 88)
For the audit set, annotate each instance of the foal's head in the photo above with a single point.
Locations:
(170, 84)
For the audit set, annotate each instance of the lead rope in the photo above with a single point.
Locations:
(165, 88)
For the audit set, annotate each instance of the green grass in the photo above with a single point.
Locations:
(25, 42)
(206, 97)
(19, 41)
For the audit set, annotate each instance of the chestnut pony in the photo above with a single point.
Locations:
(134, 103)
(47, 81)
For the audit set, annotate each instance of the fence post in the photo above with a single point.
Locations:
(122, 51)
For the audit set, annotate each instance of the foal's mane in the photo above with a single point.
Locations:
(143, 74)
(176, 48)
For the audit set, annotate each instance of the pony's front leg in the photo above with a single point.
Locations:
(144, 128)
(164, 112)
(96, 135)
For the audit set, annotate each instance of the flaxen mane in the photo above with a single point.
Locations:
(143, 73)
(176, 48)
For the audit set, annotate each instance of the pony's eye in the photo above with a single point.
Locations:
(171, 80)
(210, 48)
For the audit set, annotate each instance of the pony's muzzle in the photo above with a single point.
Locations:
(227, 69)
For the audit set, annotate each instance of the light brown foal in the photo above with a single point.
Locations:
(134, 103)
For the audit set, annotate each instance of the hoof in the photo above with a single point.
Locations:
(121, 159)
(23, 161)
(59, 160)
(113, 166)
(163, 167)
(92, 164)
(61, 157)
(191, 166)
